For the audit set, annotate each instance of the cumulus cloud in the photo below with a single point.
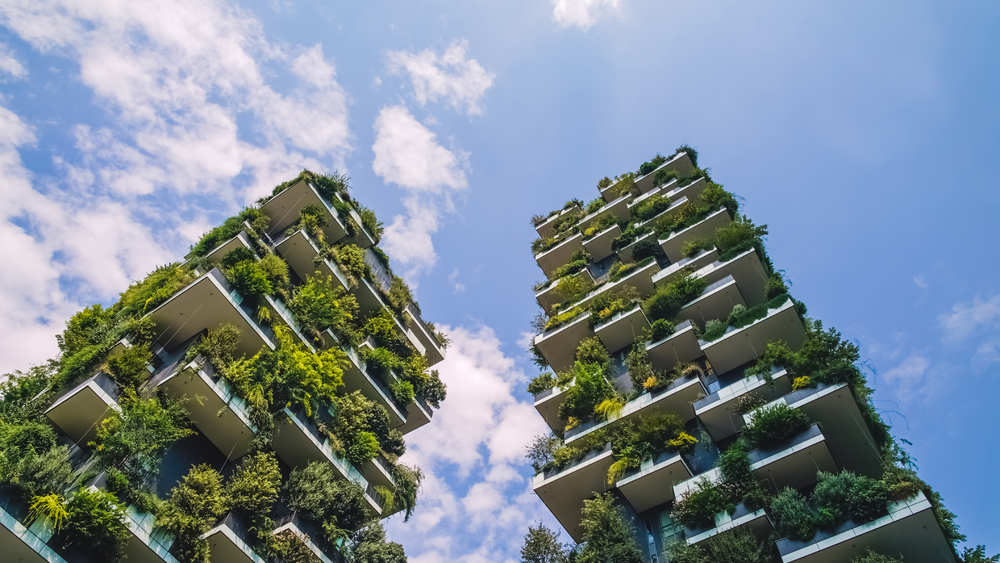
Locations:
(191, 119)
(582, 13)
(912, 379)
(476, 498)
(451, 76)
(966, 319)
(407, 154)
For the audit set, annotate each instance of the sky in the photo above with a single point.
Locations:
(866, 135)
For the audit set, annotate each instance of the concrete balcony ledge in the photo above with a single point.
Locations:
(241, 240)
(311, 535)
(757, 522)
(715, 302)
(563, 490)
(549, 260)
(679, 346)
(284, 208)
(434, 351)
(78, 412)
(559, 344)
(741, 345)
(229, 542)
(148, 544)
(692, 190)
(652, 484)
(545, 228)
(745, 268)
(675, 207)
(673, 243)
(680, 162)
(547, 404)
(718, 411)
(301, 252)
(21, 543)
(619, 208)
(621, 329)
(795, 462)
(548, 296)
(696, 262)
(599, 245)
(640, 278)
(909, 530)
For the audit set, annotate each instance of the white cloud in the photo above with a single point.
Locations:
(582, 13)
(911, 379)
(456, 285)
(459, 80)
(9, 63)
(920, 282)
(407, 154)
(987, 353)
(477, 502)
(966, 319)
(194, 114)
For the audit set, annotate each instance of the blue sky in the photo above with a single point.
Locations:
(866, 135)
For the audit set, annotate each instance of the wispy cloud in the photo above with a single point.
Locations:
(966, 319)
(456, 285)
(911, 379)
(582, 13)
(9, 64)
(920, 282)
(452, 76)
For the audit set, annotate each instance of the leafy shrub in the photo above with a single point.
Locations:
(590, 390)
(734, 546)
(608, 304)
(562, 318)
(351, 260)
(573, 288)
(607, 533)
(741, 316)
(830, 496)
(748, 403)
(625, 184)
(650, 207)
(30, 461)
(694, 246)
(254, 487)
(692, 154)
(275, 270)
(338, 504)
(134, 438)
(219, 345)
(620, 270)
(317, 305)
(329, 185)
(645, 249)
(734, 463)
(144, 296)
(250, 280)
(792, 515)
(603, 183)
(193, 507)
(667, 301)
(714, 330)
(775, 286)
(94, 524)
(228, 229)
(569, 269)
(639, 368)
(605, 221)
(660, 329)
(541, 382)
(541, 451)
(868, 499)
(698, 508)
(408, 480)
(774, 425)
(363, 447)
(663, 177)
(371, 223)
(402, 391)
(369, 545)
(128, 368)
(740, 234)
(652, 164)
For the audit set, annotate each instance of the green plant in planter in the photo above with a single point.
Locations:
(541, 382)
(590, 390)
(608, 304)
(867, 499)
(607, 533)
(369, 545)
(603, 222)
(94, 523)
(639, 368)
(652, 164)
(660, 329)
(338, 505)
(408, 480)
(698, 508)
(128, 368)
(650, 207)
(774, 425)
(555, 321)
(134, 438)
(193, 507)
(694, 246)
(714, 330)
(667, 301)
(250, 280)
(734, 546)
(592, 351)
(645, 249)
(318, 304)
(573, 288)
(793, 517)
(663, 177)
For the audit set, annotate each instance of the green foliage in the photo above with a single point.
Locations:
(402, 391)
(628, 236)
(541, 545)
(625, 184)
(739, 236)
(317, 493)
(575, 265)
(562, 318)
(645, 249)
(609, 303)
(774, 425)
(371, 223)
(635, 442)
(94, 524)
(20, 392)
(592, 351)
(603, 222)
(775, 286)
(696, 245)
(698, 508)
(541, 450)
(128, 368)
(81, 328)
(434, 391)
(351, 259)
(607, 533)
(667, 301)
(692, 154)
(660, 329)
(652, 164)
(229, 229)
(664, 177)
(714, 330)
(250, 280)
(382, 327)
(317, 305)
(969, 555)
(237, 255)
(541, 382)
(639, 368)
(573, 288)
(400, 294)
(369, 545)
(143, 296)
(590, 389)
(793, 517)
(275, 270)
(408, 480)
(734, 464)
(193, 507)
(254, 487)
(329, 185)
(134, 438)
(735, 546)
(51, 508)
(874, 557)
(30, 461)
(830, 496)
(868, 499)
(741, 316)
(363, 448)
(650, 207)
(218, 345)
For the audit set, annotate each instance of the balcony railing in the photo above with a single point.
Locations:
(314, 537)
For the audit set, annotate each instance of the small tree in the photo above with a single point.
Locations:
(608, 535)
(541, 545)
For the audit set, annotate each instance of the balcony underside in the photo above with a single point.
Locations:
(622, 329)
(218, 253)
(696, 262)
(564, 492)
(794, 465)
(559, 254)
(754, 522)
(300, 253)
(715, 303)
(559, 345)
(674, 243)
(283, 210)
(416, 417)
(721, 418)
(746, 269)
(79, 412)
(848, 436)
(599, 245)
(740, 346)
(653, 484)
(681, 346)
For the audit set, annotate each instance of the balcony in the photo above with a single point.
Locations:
(418, 413)
(681, 346)
(675, 208)
(301, 253)
(849, 438)
(559, 344)
(639, 278)
(209, 302)
(311, 535)
(547, 404)
(357, 378)
(625, 254)
(681, 163)
(675, 398)
(622, 329)
(19, 542)
(548, 296)
(78, 412)
(652, 484)
(746, 269)
(599, 245)
(378, 472)
(241, 240)
(674, 242)
(756, 522)
(795, 462)
(740, 345)
(696, 262)
(426, 336)
(148, 544)
(298, 441)
(715, 302)
(229, 542)
(564, 490)
(718, 411)
(549, 260)
(545, 228)
(619, 208)
(910, 531)
(692, 191)
(362, 237)
(283, 210)
(371, 302)
(212, 405)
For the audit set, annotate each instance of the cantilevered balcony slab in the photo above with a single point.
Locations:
(599, 245)
(673, 244)
(283, 209)
(692, 190)
(681, 163)
(418, 414)
(280, 313)
(297, 441)
(618, 208)
(675, 398)
(715, 302)
(241, 240)
(909, 532)
(625, 254)
(793, 463)
(378, 472)
(559, 344)
(371, 302)
(742, 518)
(433, 349)
(673, 271)
(79, 412)
(213, 406)
(848, 436)
(311, 535)
(652, 484)
(147, 543)
(746, 269)
(209, 302)
(718, 411)
(559, 254)
(547, 404)
(681, 346)
(358, 378)
(549, 295)
(564, 490)
(622, 329)
(229, 542)
(640, 279)
(676, 207)
(19, 543)
(302, 255)
(546, 227)
(740, 345)
(361, 237)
